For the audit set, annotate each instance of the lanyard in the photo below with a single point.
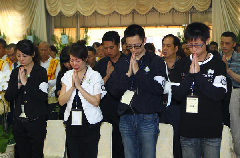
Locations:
(192, 87)
(76, 97)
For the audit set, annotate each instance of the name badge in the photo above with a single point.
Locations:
(192, 104)
(127, 97)
(77, 118)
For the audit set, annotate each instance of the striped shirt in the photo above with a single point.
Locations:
(234, 65)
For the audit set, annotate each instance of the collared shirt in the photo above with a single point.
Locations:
(234, 65)
(93, 84)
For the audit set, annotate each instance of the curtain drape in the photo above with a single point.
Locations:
(104, 7)
(18, 16)
(225, 17)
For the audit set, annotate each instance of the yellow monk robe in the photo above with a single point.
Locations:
(51, 75)
(2, 64)
(9, 63)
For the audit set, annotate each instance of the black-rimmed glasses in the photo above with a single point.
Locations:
(135, 46)
(195, 45)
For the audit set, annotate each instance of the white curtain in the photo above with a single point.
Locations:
(225, 17)
(104, 7)
(18, 16)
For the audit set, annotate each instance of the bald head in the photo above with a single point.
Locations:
(44, 51)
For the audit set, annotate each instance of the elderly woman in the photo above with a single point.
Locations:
(27, 87)
(82, 89)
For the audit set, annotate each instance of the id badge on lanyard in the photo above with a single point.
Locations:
(76, 117)
(192, 102)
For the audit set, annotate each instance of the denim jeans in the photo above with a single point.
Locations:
(139, 135)
(200, 147)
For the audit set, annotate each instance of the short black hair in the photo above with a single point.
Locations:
(54, 49)
(27, 47)
(64, 57)
(10, 46)
(134, 30)
(97, 44)
(3, 43)
(176, 41)
(197, 30)
(150, 47)
(123, 40)
(229, 34)
(89, 48)
(214, 43)
(79, 50)
(111, 36)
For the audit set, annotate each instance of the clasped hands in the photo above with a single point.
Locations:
(22, 77)
(133, 66)
(76, 81)
(194, 67)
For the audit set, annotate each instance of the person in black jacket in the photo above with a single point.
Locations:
(65, 66)
(171, 48)
(139, 82)
(202, 78)
(27, 87)
(111, 44)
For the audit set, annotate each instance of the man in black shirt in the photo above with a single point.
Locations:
(202, 79)
(171, 46)
(111, 44)
(139, 81)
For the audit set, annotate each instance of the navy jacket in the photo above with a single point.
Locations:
(148, 91)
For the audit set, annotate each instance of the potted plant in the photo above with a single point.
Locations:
(6, 140)
(6, 136)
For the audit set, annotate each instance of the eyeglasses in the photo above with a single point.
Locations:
(135, 46)
(195, 45)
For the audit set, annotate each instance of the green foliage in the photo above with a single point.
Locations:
(6, 138)
(57, 42)
(86, 37)
(36, 39)
(3, 35)
(181, 37)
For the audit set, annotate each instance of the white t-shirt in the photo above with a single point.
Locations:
(93, 84)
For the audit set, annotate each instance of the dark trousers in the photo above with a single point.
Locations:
(117, 145)
(29, 137)
(82, 141)
(171, 116)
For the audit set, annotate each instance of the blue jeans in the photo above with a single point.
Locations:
(139, 135)
(200, 147)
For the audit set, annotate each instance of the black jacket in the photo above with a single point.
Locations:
(109, 103)
(207, 123)
(148, 92)
(34, 99)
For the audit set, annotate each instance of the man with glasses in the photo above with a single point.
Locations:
(106, 66)
(139, 81)
(202, 87)
(232, 60)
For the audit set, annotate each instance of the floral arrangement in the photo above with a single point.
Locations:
(4, 78)
(30, 34)
(6, 136)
